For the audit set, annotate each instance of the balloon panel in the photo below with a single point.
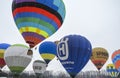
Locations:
(116, 59)
(3, 47)
(112, 70)
(16, 57)
(74, 52)
(38, 19)
(99, 57)
(48, 50)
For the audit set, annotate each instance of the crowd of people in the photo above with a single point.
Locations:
(50, 74)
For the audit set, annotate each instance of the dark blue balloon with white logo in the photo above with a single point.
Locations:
(74, 52)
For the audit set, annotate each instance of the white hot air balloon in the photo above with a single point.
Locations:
(39, 67)
(18, 57)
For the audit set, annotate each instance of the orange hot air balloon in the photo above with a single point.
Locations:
(99, 57)
(116, 59)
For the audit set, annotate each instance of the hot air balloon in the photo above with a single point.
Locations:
(112, 70)
(74, 52)
(38, 19)
(3, 47)
(17, 57)
(48, 50)
(116, 59)
(39, 67)
(99, 57)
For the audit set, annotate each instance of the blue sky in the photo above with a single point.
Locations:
(97, 20)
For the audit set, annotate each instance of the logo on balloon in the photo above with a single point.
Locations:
(62, 49)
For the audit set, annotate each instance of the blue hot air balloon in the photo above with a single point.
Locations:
(3, 47)
(74, 51)
(47, 50)
(112, 70)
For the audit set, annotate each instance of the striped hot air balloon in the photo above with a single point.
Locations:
(116, 59)
(48, 50)
(112, 70)
(99, 57)
(3, 47)
(17, 57)
(38, 19)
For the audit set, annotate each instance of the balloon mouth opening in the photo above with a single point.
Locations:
(30, 52)
(72, 76)
(31, 44)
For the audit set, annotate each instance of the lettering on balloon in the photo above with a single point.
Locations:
(62, 49)
(102, 54)
(38, 67)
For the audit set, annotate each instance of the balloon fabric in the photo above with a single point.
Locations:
(48, 50)
(3, 47)
(116, 59)
(38, 19)
(99, 57)
(74, 52)
(112, 70)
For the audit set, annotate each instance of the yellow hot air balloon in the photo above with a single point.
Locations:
(99, 57)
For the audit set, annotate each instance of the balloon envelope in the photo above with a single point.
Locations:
(17, 57)
(99, 57)
(48, 50)
(116, 59)
(39, 66)
(74, 51)
(38, 19)
(3, 47)
(112, 70)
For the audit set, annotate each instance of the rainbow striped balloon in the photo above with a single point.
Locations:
(3, 47)
(116, 59)
(38, 19)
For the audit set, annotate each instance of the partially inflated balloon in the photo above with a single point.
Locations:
(74, 51)
(3, 47)
(112, 70)
(17, 57)
(48, 50)
(116, 59)
(39, 66)
(38, 19)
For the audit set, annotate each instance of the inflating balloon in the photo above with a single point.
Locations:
(17, 57)
(3, 47)
(116, 59)
(112, 70)
(74, 52)
(38, 19)
(39, 67)
(48, 50)
(99, 57)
